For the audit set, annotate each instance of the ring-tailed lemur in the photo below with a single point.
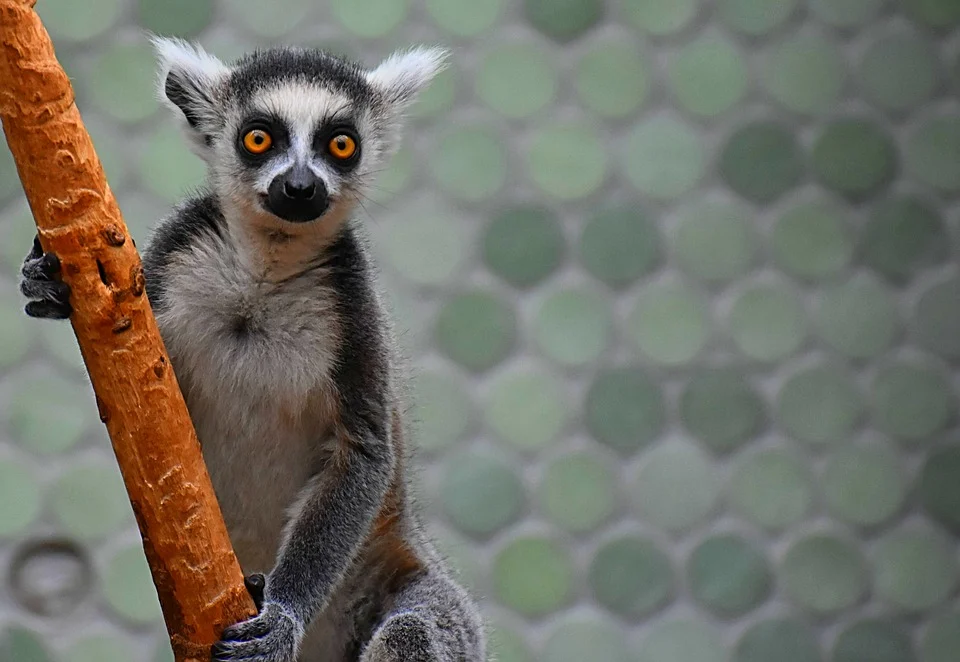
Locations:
(266, 301)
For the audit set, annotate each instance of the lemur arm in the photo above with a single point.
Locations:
(336, 515)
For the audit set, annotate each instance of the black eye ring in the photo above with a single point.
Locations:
(332, 133)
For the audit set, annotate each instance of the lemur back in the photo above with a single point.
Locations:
(267, 302)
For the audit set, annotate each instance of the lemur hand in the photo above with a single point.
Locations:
(273, 635)
(50, 297)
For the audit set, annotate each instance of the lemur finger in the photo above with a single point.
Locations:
(48, 310)
(255, 584)
(36, 250)
(47, 290)
(44, 267)
(246, 631)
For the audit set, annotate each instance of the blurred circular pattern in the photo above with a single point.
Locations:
(533, 576)
(931, 153)
(854, 157)
(819, 404)
(465, 17)
(670, 322)
(19, 498)
(168, 167)
(567, 160)
(783, 640)
(676, 486)
(476, 329)
(578, 492)
(563, 20)
(14, 329)
(771, 488)
(50, 577)
(720, 408)
(49, 415)
(523, 245)
(661, 17)
(805, 73)
(858, 318)
(624, 408)
(613, 78)
(875, 639)
(469, 162)
(937, 319)
(939, 486)
(128, 587)
(101, 648)
(663, 157)
(762, 161)
(911, 401)
(941, 641)
(755, 16)
(426, 245)
(903, 236)
(72, 21)
(631, 576)
(527, 408)
(767, 322)
(708, 75)
(364, 18)
(184, 18)
(863, 485)
(481, 494)
(439, 95)
(444, 410)
(574, 640)
(573, 327)
(516, 79)
(23, 645)
(729, 576)
(90, 501)
(620, 244)
(915, 567)
(845, 13)
(683, 639)
(824, 573)
(508, 645)
(122, 82)
(899, 70)
(934, 13)
(714, 239)
(812, 240)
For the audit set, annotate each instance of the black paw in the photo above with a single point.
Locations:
(50, 297)
(255, 584)
(272, 636)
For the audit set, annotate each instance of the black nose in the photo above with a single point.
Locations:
(300, 183)
(297, 195)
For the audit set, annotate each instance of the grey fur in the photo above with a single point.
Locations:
(284, 354)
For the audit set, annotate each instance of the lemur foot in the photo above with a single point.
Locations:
(50, 297)
(273, 635)
(404, 637)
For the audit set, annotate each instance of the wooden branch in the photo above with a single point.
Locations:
(196, 573)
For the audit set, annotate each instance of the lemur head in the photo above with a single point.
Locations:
(292, 134)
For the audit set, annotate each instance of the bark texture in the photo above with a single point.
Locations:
(196, 573)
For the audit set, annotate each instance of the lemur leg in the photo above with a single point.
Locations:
(432, 620)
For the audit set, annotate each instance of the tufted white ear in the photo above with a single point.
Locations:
(189, 79)
(405, 73)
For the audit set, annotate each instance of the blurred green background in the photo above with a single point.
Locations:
(679, 281)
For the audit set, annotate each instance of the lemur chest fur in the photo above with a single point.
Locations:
(253, 356)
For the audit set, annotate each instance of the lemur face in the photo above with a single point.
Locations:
(293, 133)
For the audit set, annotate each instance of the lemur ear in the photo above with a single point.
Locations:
(188, 82)
(405, 73)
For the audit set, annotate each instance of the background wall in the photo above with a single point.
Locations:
(679, 280)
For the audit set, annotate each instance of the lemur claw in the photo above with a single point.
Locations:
(272, 636)
(255, 584)
(50, 297)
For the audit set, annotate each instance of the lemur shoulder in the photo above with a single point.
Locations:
(266, 300)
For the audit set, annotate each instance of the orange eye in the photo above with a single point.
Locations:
(342, 146)
(257, 141)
